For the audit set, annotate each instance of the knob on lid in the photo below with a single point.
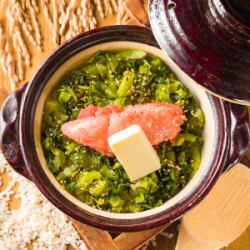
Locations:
(209, 40)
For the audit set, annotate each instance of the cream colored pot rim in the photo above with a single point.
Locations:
(202, 97)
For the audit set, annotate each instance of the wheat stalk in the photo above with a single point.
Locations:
(75, 25)
(55, 27)
(126, 18)
(20, 68)
(35, 6)
(38, 37)
(45, 8)
(18, 43)
(2, 4)
(3, 55)
(14, 30)
(79, 23)
(120, 13)
(108, 7)
(23, 4)
(115, 5)
(62, 6)
(23, 47)
(83, 16)
(10, 67)
(87, 17)
(69, 12)
(92, 19)
(27, 29)
(98, 4)
(22, 17)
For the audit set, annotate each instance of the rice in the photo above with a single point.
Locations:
(35, 222)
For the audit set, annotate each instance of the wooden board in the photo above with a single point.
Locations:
(222, 216)
(241, 243)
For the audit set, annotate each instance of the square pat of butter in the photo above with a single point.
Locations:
(135, 152)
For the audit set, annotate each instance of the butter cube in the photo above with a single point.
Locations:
(135, 152)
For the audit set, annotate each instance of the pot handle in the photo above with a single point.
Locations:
(9, 131)
(240, 134)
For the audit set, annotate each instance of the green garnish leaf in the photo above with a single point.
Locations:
(131, 54)
(126, 77)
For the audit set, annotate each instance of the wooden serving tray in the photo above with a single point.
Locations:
(97, 239)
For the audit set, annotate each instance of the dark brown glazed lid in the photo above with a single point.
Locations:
(209, 40)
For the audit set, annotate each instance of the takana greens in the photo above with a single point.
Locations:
(122, 78)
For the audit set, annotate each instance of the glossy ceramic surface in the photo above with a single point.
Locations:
(209, 40)
(19, 147)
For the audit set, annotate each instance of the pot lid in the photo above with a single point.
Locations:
(209, 40)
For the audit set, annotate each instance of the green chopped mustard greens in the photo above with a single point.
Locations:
(123, 78)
